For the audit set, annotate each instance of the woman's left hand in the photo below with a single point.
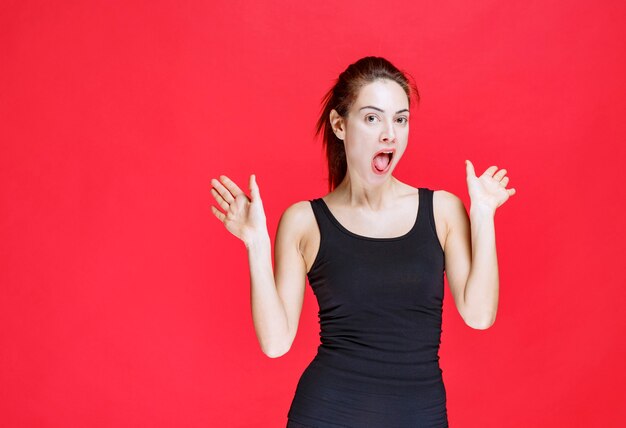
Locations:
(489, 190)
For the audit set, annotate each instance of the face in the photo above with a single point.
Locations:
(375, 131)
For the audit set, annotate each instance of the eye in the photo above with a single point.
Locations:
(403, 120)
(370, 118)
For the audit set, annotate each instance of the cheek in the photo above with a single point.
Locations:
(362, 129)
(400, 149)
(357, 152)
(359, 156)
(398, 156)
(359, 142)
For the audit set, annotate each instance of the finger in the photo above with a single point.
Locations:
(489, 171)
(231, 186)
(498, 176)
(218, 198)
(223, 191)
(255, 194)
(469, 169)
(504, 181)
(220, 215)
(511, 191)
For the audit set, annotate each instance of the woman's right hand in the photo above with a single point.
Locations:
(243, 217)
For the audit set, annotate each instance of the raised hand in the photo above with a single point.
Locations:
(243, 217)
(489, 190)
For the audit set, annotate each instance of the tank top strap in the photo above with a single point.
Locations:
(325, 226)
(426, 200)
(323, 222)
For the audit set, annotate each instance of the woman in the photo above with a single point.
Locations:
(374, 250)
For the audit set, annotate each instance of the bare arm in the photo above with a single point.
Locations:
(276, 298)
(470, 247)
(471, 263)
(276, 301)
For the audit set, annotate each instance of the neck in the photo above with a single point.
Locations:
(355, 193)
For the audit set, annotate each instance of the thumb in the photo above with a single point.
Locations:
(469, 168)
(255, 195)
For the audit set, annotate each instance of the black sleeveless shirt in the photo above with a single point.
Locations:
(380, 306)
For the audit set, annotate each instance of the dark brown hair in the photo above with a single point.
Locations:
(341, 97)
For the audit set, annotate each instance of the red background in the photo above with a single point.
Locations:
(124, 303)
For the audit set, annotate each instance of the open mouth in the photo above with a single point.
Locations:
(382, 161)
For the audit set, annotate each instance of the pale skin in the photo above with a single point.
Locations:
(369, 204)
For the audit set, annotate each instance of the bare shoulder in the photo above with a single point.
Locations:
(299, 227)
(446, 200)
(448, 208)
(298, 216)
(296, 222)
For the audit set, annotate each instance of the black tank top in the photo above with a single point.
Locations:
(380, 306)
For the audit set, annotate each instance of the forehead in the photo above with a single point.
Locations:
(384, 94)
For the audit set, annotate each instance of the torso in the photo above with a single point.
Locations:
(392, 222)
(379, 283)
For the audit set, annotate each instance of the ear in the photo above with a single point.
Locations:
(338, 124)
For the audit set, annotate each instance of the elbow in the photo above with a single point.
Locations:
(481, 324)
(276, 351)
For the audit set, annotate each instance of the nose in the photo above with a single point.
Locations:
(388, 134)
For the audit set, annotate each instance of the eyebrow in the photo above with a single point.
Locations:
(382, 111)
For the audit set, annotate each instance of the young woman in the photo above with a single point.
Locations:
(374, 250)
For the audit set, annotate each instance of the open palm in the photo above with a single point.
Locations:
(488, 190)
(243, 216)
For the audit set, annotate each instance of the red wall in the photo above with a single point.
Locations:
(124, 303)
